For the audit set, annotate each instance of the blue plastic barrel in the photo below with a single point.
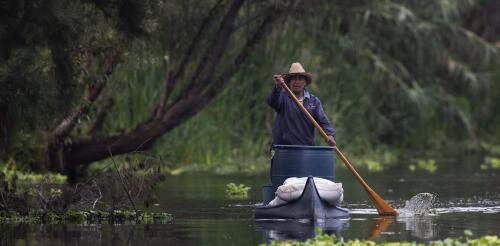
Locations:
(301, 161)
(298, 161)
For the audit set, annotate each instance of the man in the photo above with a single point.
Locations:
(291, 126)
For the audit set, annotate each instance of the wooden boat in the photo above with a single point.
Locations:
(300, 161)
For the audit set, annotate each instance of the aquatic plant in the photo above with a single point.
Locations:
(234, 190)
(374, 166)
(326, 240)
(490, 162)
(426, 165)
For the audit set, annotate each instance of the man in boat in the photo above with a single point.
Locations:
(291, 127)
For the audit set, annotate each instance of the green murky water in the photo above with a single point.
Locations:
(466, 199)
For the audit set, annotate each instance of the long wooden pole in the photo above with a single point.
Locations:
(383, 208)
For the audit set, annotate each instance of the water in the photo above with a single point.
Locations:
(457, 198)
(419, 205)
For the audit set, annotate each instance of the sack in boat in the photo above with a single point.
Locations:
(291, 189)
(276, 201)
(329, 191)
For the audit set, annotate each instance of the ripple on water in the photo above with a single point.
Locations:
(486, 210)
(424, 204)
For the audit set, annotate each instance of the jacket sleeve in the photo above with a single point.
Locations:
(274, 98)
(323, 120)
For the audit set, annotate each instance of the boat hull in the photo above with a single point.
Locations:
(308, 206)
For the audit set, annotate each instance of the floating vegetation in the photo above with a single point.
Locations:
(490, 163)
(325, 240)
(374, 166)
(426, 165)
(87, 217)
(239, 191)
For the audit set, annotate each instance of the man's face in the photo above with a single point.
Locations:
(297, 84)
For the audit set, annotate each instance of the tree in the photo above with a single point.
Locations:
(80, 45)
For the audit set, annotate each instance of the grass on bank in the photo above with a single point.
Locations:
(10, 173)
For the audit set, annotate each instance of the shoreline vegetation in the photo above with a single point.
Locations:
(375, 161)
(87, 217)
(110, 194)
(371, 163)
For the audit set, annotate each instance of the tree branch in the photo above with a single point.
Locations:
(195, 41)
(213, 53)
(168, 85)
(215, 88)
(171, 78)
(64, 128)
(100, 117)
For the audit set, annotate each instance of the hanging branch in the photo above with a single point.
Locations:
(270, 17)
(212, 55)
(172, 77)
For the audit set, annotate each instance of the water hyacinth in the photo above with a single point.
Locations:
(425, 165)
(490, 163)
(329, 240)
(233, 190)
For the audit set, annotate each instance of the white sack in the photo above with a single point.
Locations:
(293, 187)
(276, 201)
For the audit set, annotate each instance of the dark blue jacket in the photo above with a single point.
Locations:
(291, 126)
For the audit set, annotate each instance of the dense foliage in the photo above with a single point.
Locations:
(391, 74)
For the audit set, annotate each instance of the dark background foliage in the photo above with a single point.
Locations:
(81, 80)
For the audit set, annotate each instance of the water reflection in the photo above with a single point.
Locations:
(380, 225)
(298, 229)
(420, 226)
(106, 234)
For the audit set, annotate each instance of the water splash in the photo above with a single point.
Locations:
(427, 204)
(420, 204)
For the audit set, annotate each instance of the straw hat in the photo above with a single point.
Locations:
(297, 69)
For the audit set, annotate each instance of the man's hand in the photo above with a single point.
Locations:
(278, 79)
(331, 141)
